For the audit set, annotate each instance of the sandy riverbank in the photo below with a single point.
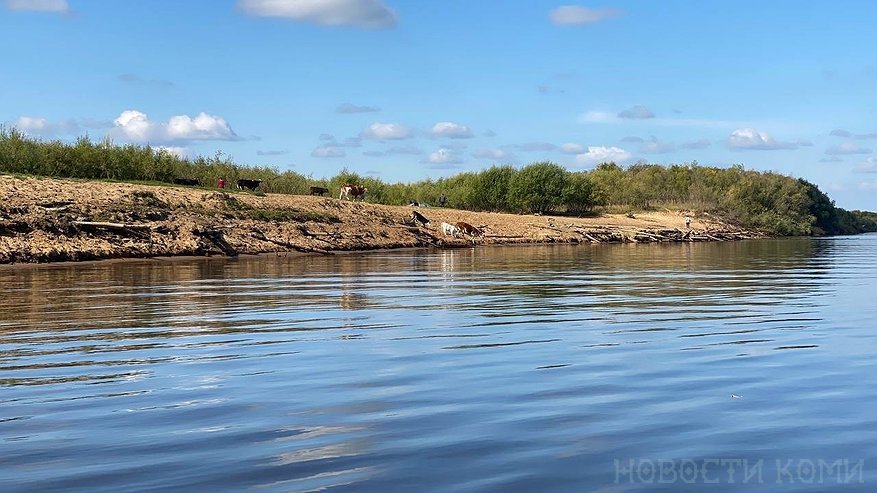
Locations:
(50, 220)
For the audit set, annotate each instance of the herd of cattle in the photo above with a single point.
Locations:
(357, 192)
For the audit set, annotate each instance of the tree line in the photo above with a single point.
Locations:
(771, 202)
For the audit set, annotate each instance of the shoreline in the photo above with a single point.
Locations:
(49, 220)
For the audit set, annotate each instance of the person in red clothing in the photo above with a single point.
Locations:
(221, 183)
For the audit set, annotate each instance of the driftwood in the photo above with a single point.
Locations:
(216, 237)
(261, 236)
(123, 226)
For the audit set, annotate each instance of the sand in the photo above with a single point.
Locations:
(52, 220)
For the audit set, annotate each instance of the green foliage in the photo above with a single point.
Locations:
(771, 202)
(489, 190)
(581, 194)
(537, 187)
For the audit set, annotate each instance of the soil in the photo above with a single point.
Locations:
(51, 220)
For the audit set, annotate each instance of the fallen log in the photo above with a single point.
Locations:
(126, 226)
(261, 236)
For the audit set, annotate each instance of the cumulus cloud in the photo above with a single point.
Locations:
(135, 126)
(847, 148)
(840, 133)
(638, 112)
(602, 154)
(444, 156)
(172, 150)
(47, 6)
(35, 125)
(655, 146)
(369, 14)
(572, 148)
(451, 130)
(328, 151)
(575, 15)
(695, 144)
(751, 139)
(348, 108)
(386, 131)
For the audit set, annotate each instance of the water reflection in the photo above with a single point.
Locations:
(493, 369)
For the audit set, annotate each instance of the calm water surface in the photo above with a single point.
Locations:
(560, 368)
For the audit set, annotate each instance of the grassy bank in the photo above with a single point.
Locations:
(771, 202)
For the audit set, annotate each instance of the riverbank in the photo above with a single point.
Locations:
(52, 220)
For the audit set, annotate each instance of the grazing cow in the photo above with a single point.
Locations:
(468, 229)
(319, 191)
(420, 218)
(450, 230)
(189, 182)
(353, 192)
(245, 184)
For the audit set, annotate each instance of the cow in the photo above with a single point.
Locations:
(468, 229)
(245, 184)
(419, 218)
(319, 191)
(353, 192)
(189, 182)
(450, 230)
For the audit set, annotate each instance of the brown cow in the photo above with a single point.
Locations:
(352, 191)
(468, 229)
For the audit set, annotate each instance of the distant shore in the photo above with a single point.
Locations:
(55, 220)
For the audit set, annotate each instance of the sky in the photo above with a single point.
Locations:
(409, 89)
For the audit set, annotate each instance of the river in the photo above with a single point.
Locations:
(740, 366)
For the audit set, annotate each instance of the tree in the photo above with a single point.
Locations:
(537, 187)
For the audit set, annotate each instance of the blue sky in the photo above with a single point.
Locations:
(408, 89)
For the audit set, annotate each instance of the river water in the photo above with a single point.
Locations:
(745, 366)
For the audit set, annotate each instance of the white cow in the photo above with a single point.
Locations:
(450, 230)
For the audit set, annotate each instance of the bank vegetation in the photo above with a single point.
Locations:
(766, 201)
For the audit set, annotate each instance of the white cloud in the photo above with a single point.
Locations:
(838, 132)
(533, 146)
(597, 117)
(867, 166)
(349, 108)
(494, 154)
(451, 130)
(172, 150)
(572, 148)
(370, 14)
(411, 150)
(655, 146)
(868, 185)
(696, 144)
(49, 6)
(847, 148)
(575, 15)
(638, 112)
(386, 131)
(135, 126)
(328, 152)
(35, 125)
(602, 154)
(751, 139)
(444, 156)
